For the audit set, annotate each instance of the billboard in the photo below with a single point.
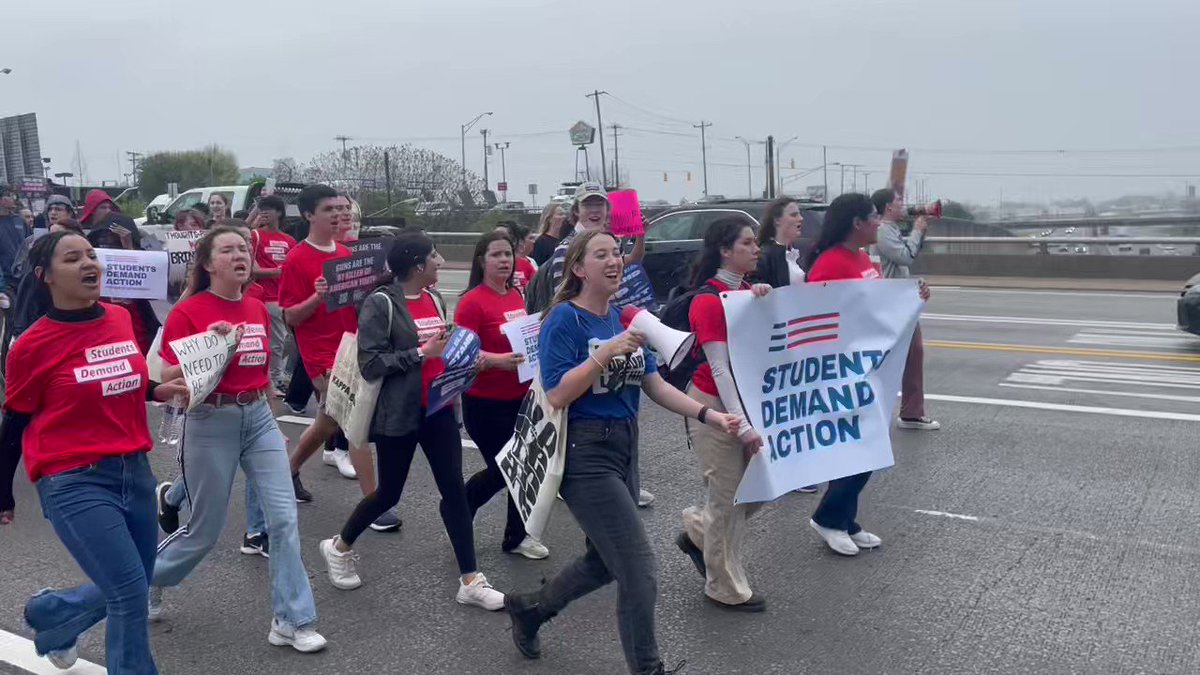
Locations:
(20, 151)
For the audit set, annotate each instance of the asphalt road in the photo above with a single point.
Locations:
(1050, 527)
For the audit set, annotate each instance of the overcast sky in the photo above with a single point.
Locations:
(962, 84)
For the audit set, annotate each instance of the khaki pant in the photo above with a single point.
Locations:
(719, 527)
(912, 384)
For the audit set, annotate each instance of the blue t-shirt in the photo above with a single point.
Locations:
(569, 334)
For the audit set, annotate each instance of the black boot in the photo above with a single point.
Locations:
(527, 617)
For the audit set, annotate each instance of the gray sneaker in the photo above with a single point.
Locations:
(644, 499)
(388, 522)
(156, 598)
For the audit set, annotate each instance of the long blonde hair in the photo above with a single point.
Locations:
(571, 286)
(548, 216)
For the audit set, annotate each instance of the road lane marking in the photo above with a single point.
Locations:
(307, 421)
(1061, 407)
(1132, 394)
(19, 652)
(1041, 349)
(1039, 321)
(1159, 295)
(944, 514)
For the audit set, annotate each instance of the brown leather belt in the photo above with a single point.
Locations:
(242, 398)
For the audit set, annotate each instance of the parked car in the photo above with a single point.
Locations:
(674, 237)
(1188, 307)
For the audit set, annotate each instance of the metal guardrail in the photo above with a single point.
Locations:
(1111, 241)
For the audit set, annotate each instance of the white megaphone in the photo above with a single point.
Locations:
(670, 344)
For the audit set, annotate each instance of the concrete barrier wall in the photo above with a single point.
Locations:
(1159, 268)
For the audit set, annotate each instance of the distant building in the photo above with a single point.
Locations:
(20, 151)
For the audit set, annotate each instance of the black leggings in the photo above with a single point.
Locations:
(439, 439)
(8, 472)
(301, 387)
(490, 424)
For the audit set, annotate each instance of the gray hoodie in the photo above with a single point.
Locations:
(896, 252)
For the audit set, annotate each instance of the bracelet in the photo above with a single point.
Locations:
(592, 356)
(703, 416)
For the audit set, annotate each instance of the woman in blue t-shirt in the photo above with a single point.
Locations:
(597, 370)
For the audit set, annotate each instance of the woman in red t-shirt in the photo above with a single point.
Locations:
(76, 401)
(490, 407)
(713, 535)
(234, 427)
(851, 224)
(402, 334)
(522, 239)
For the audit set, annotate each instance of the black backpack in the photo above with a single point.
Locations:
(675, 315)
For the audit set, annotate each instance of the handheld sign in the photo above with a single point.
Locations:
(625, 214)
(133, 274)
(523, 335)
(204, 358)
(460, 355)
(899, 172)
(636, 289)
(351, 279)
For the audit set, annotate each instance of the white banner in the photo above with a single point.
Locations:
(522, 335)
(181, 247)
(817, 368)
(204, 358)
(534, 459)
(133, 274)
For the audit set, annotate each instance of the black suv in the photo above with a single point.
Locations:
(674, 237)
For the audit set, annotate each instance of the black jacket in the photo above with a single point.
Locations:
(772, 266)
(390, 351)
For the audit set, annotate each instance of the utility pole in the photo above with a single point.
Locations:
(387, 177)
(749, 176)
(600, 125)
(825, 169)
(867, 182)
(503, 168)
(703, 151)
(345, 155)
(616, 155)
(463, 129)
(484, 133)
(134, 160)
(770, 188)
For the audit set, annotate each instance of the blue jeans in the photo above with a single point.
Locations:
(838, 509)
(255, 521)
(216, 442)
(105, 516)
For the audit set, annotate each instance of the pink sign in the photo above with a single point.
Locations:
(625, 215)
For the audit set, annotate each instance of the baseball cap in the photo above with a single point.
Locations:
(589, 189)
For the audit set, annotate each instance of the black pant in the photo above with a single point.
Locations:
(301, 387)
(8, 472)
(839, 505)
(490, 424)
(439, 439)
(599, 489)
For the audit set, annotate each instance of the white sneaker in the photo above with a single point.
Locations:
(341, 459)
(304, 640)
(645, 499)
(342, 567)
(155, 607)
(838, 540)
(921, 424)
(480, 593)
(864, 539)
(63, 659)
(532, 548)
(328, 457)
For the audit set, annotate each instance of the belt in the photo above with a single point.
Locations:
(242, 398)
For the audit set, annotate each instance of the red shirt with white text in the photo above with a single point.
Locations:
(270, 252)
(319, 336)
(426, 315)
(842, 264)
(523, 273)
(483, 311)
(248, 369)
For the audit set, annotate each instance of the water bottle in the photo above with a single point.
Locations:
(171, 427)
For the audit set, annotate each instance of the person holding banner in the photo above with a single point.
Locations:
(234, 427)
(491, 405)
(145, 320)
(714, 535)
(851, 225)
(596, 371)
(402, 335)
(81, 362)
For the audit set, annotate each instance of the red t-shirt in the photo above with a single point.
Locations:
(523, 273)
(248, 369)
(426, 315)
(85, 386)
(707, 317)
(840, 263)
(255, 290)
(319, 336)
(483, 311)
(270, 252)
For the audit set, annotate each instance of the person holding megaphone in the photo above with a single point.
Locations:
(713, 535)
(596, 370)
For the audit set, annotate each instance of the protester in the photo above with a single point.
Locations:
(597, 371)
(851, 224)
(521, 239)
(79, 362)
(491, 406)
(714, 535)
(779, 262)
(550, 226)
(402, 334)
(218, 209)
(190, 220)
(97, 207)
(302, 291)
(145, 320)
(898, 253)
(27, 216)
(271, 247)
(234, 427)
(12, 233)
(58, 209)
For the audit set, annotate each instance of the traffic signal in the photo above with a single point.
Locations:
(689, 176)
(664, 176)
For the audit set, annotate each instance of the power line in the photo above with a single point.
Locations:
(647, 111)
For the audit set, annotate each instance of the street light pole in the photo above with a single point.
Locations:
(749, 177)
(464, 129)
(703, 151)
(484, 133)
(503, 167)
(779, 161)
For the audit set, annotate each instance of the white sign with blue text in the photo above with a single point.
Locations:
(817, 368)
